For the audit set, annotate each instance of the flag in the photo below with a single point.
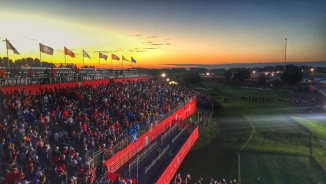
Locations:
(69, 52)
(86, 55)
(133, 60)
(124, 59)
(134, 137)
(114, 57)
(103, 56)
(10, 47)
(46, 49)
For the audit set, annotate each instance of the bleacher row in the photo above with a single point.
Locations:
(38, 75)
(43, 127)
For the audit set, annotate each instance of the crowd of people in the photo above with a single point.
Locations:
(184, 180)
(89, 118)
(204, 100)
(320, 88)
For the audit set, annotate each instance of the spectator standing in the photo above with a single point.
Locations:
(101, 170)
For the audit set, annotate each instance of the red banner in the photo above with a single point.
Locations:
(42, 87)
(123, 156)
(171, 170)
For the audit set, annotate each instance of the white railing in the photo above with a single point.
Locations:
(178, 135)
(142, 156)
(156, 159)
(167, 133)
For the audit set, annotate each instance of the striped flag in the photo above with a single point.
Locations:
(10, 47)
(133, 60)
(114, 57)
(69, 52)
(103, 56)
(124, 59)
(46, 49)
(86, 55)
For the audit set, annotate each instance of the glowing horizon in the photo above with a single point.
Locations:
(158, 33)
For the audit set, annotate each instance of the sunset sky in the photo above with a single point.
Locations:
(167, 31)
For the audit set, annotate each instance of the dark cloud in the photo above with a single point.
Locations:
(137, 35)
(102, 51)
(152, 36)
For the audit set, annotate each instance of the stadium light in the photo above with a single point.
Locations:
(207, 73)
(312, 70)
(163, 75)
(168, 79)
(254, 71)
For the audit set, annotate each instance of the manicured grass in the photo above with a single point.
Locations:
(317, 126)
(278, 168)
(258, 128)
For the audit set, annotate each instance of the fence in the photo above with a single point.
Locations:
(156, 159)
(178, 135)
(167, 133)
(142, 156)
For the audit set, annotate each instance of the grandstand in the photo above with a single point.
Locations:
(40, 75)
(61, 128)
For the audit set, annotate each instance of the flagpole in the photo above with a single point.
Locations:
(7, 52)
(40, 58)
(83, 60)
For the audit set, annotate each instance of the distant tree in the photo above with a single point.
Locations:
(227, 74)
(240, 74)
(261, 79)
(197, 70)
(292, 75)
(277, 83)
(190, 78)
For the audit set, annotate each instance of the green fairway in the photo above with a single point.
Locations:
(276, 137)
(278, 168)
(317, 126)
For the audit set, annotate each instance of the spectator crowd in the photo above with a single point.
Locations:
(184, 180)
(52, 136)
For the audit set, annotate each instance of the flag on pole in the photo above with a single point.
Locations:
(86, 55)
(103, 56)
(114, 57)
(46, 49)
(134, 137)
(10, 47)
(124, 59)
(69, 52)
(133, 60)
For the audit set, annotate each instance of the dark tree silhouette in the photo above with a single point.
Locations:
(240, 74)
(261, 79)
(292, 75)
(227, 74)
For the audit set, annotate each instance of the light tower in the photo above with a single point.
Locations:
(286, 43)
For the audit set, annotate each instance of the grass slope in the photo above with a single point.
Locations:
(251, 126)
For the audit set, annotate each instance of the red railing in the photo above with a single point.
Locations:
(171, 170)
